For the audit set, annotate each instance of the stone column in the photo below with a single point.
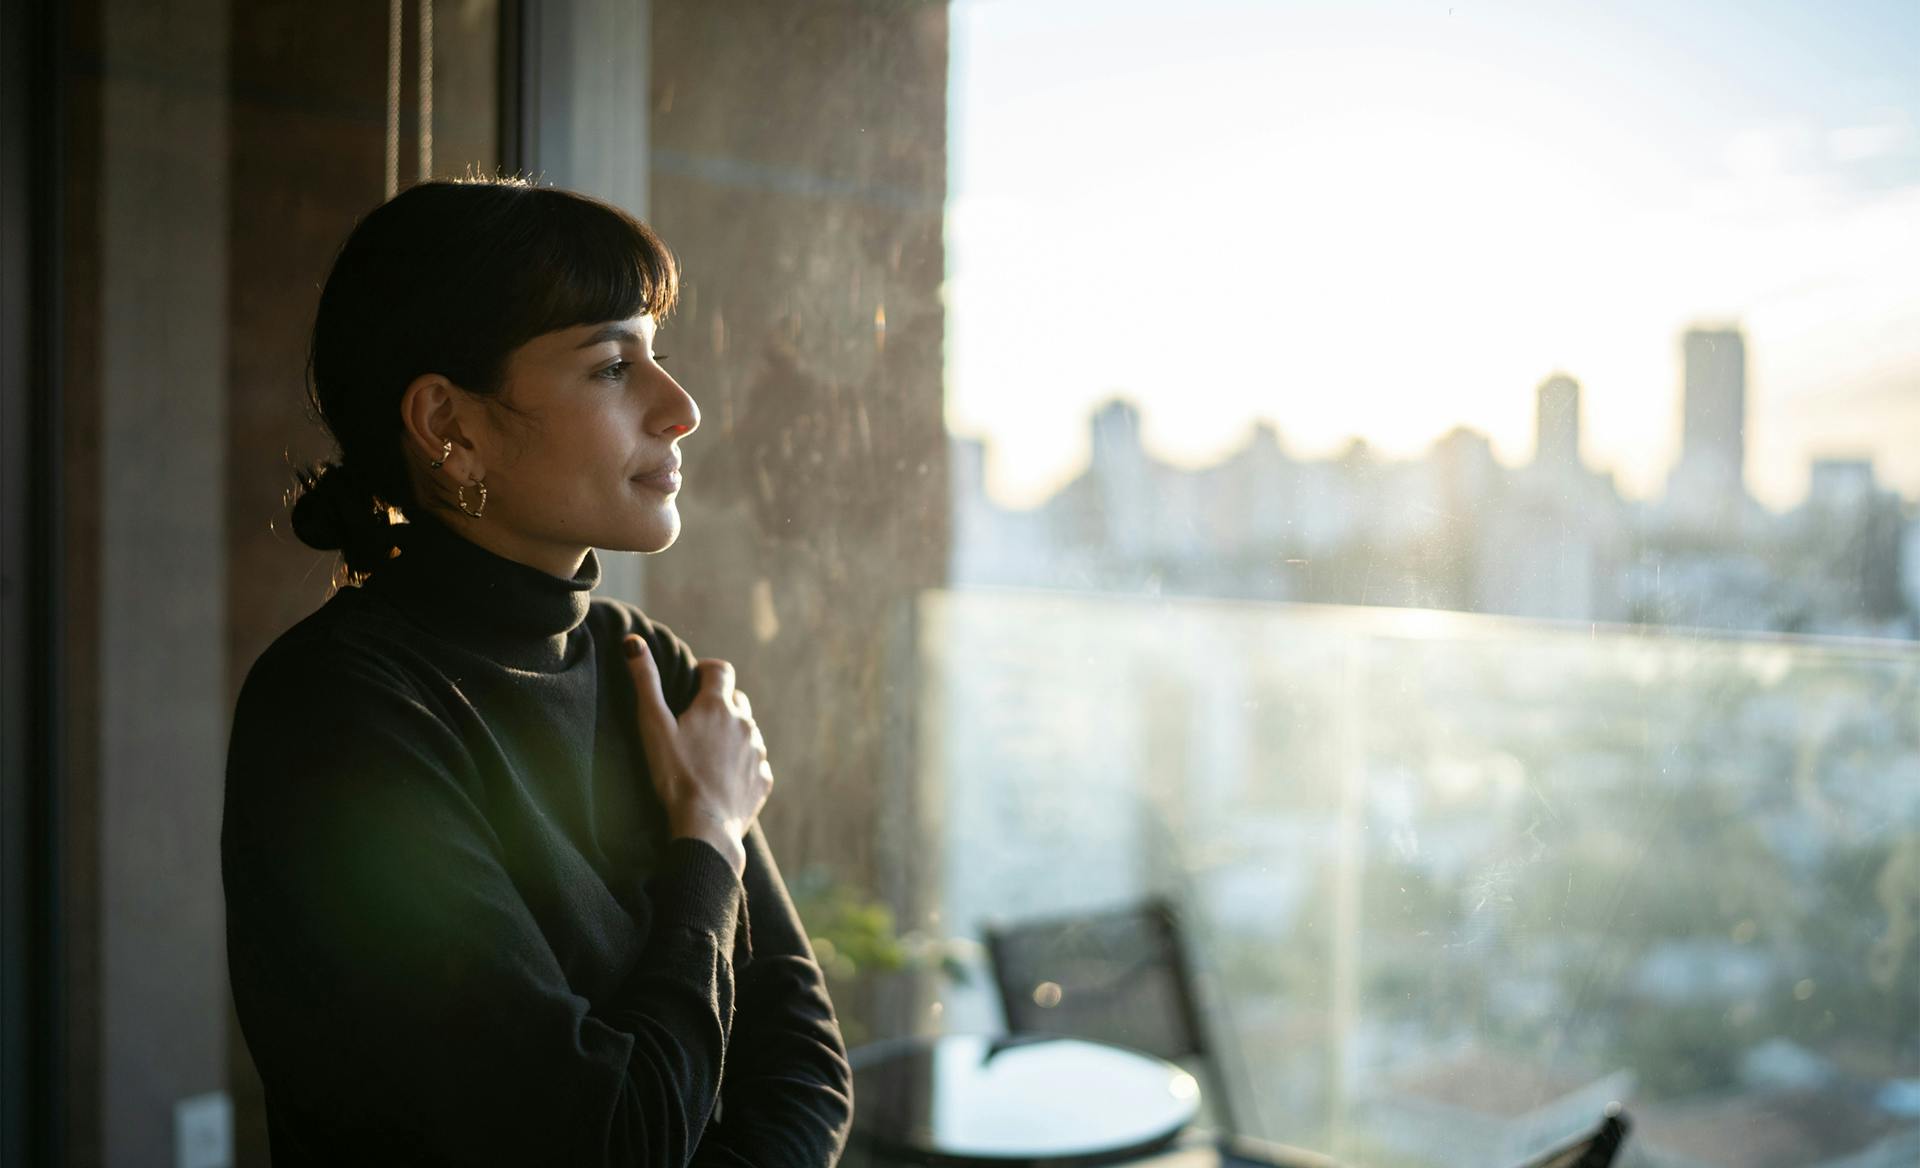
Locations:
(799, 172)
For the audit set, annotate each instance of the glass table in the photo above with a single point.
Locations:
(962, 1099)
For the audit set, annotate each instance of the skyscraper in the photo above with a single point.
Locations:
(1557, 423)
(1712, 470)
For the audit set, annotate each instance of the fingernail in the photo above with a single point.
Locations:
(633, 646)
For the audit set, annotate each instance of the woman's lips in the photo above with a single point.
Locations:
(667, 478)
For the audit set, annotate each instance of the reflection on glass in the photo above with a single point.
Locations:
(1459, 882)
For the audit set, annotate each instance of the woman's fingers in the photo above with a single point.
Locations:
(655, 716)
(716, 679)
(711, 760)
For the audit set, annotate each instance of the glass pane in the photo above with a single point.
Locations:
(1457, 882)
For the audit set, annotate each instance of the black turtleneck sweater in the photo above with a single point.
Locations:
(458, 929)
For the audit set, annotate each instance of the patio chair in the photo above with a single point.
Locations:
(1123, 976)
(1120, 976)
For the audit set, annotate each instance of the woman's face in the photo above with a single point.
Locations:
(592, 459)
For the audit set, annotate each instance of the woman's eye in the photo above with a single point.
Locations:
(615, 371)
(660, 358)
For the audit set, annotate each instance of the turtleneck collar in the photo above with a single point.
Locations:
(516, 614)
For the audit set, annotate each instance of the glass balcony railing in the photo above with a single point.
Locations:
(1454, 882)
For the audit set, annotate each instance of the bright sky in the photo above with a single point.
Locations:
(1391, 218)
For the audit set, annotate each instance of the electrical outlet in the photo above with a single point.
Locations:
(203, 1131)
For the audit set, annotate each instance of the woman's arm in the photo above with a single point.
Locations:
(788, 1097)
(788, 1092)
(391, 983)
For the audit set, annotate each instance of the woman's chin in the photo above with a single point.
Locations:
(659, 535)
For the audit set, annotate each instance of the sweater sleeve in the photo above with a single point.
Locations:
(788, 1098)
(391, 983)
(789, 1090)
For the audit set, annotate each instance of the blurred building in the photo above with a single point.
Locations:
(1557, 423)
(1553, 547)
(1708, 484)
(1843, 544)
(1910, 567)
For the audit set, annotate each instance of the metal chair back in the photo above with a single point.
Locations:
(1120, 976)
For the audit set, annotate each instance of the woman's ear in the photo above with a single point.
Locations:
(434, 411)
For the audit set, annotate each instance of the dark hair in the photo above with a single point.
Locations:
(450, 278)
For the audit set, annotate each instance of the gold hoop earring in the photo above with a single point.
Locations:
(445, 450)
(483, 497)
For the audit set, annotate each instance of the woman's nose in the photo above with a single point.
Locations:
(679, 414)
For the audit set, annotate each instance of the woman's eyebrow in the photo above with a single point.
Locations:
(611, 332)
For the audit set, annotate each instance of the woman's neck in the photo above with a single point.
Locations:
(561, 560)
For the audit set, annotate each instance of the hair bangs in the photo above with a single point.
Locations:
(588, 262)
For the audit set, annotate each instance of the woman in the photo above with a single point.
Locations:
(496, 893)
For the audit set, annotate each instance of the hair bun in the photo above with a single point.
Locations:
(335, 509)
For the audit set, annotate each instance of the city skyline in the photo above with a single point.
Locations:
(1532, 455)
(1455, 529)
(1392, 219)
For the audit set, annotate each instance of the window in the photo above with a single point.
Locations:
(1429, 487)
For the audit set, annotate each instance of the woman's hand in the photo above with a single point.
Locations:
(709, 765)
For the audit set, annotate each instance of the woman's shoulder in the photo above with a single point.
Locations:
(619, 616)
(343, 681)
(613, 618)
(353, 641)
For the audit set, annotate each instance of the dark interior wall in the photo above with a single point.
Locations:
(142, 392)
(79, 635)
(799, 172)
(30, 179)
